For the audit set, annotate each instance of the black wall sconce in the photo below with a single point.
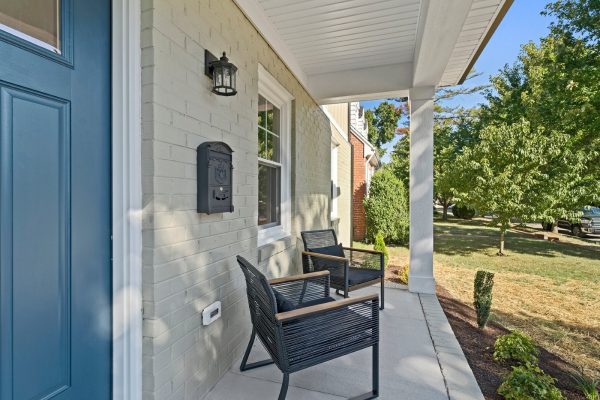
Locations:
(222, 73)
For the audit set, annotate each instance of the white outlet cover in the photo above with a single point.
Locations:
(211, 313)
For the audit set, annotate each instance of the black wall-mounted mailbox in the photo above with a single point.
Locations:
(214, 169)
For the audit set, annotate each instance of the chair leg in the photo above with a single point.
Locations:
(284, 386)
(374, 393)
(382, 300)
(244, 366)
(375, 371)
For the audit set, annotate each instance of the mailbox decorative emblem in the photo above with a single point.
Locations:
(214, 169)
(221, 172)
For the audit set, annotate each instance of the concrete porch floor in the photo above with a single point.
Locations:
(420, 359)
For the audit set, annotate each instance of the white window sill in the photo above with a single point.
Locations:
(268, 235)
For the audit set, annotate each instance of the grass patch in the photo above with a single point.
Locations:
(549, 290)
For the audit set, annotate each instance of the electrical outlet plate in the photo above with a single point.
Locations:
(211, 313)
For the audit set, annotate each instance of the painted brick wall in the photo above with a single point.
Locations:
(189, 258)
(359, 189)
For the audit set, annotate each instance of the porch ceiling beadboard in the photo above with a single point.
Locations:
(359, 49)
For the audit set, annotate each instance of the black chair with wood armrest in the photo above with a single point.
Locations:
(350, 268)
(301, 326)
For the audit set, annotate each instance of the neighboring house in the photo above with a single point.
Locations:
(365, 162)
(105, 262)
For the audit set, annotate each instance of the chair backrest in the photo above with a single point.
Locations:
(263, 307)
(318, 239)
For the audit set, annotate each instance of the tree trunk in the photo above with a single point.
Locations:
(501, 252)
(445, 213)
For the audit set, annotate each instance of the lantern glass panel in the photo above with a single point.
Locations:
(227, 76)
(218, 78)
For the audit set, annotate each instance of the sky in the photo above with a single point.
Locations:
(523, 23)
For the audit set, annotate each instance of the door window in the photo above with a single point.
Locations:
(36, 21)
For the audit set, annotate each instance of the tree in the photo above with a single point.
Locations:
(555, 86)
(506, 173)
(383, 122)
(453, 130)
(576, 17)
(386, 209)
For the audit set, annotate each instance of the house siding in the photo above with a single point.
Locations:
(189, 258)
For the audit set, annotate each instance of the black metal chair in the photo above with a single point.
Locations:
(301, 326)
(350, 268)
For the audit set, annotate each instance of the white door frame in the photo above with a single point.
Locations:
(126, 201)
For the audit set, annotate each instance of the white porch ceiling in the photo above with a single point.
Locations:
(334, 35)
(346, 50)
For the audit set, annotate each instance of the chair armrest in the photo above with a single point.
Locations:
(300, 277)
(364, 258)
(302, 288)
(363, 250)
(324, 256)
(323, 308)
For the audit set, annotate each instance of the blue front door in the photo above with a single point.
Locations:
(55, 204)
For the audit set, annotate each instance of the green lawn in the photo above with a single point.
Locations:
(550, 290)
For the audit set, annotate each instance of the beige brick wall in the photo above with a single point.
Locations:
(189, 258)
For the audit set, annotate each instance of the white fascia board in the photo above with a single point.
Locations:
(257, 16)
(346, 86)
(440, 24)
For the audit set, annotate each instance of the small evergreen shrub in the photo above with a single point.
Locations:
(403, 274)
(380, 246)
(386, 208)
(529, 383)
(482, 296)
(516, 346)
(463, 212)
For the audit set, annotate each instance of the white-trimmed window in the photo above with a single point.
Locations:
(273, 129)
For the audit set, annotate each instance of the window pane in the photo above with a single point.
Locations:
(37, 21)
(268, 195)
(272, 118)
(272, 148)
(262, 111)
(262, 142)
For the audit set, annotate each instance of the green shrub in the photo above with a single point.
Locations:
(386, 208)
(529, 383)
(482, 296)
(587, 385)
(380, 246)
(463, 212)
(516, 346)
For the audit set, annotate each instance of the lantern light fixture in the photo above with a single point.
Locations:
(222, 72)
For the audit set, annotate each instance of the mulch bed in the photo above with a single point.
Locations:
(478, 346)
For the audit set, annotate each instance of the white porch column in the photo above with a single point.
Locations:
(421, 190)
